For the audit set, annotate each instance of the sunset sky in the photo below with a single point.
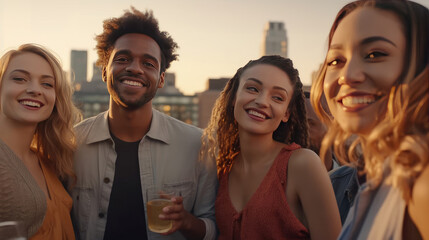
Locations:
(215, 37)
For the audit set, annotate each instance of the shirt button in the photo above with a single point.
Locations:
(106, 180)
(101, 215)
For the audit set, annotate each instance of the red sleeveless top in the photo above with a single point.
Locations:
(267, 214)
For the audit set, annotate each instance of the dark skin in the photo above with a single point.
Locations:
(133, 76)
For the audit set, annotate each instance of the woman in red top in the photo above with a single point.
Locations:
(270, 187)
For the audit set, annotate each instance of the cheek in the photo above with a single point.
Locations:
(384, 80)
(330, 85)
(52, 97)
(330, 89)
(284, 112)
(113, 70)
(235, 109)
(9, 93)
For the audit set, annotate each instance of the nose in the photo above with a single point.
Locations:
(134, 67)
(352, 72)
(33, 88)
(262, 100)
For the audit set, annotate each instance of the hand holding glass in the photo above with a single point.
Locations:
(11, 230)
(157, 199)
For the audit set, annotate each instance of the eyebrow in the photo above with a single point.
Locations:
(128, 52)
(260, 83)
(366, 41)
(28, 73)
(375, 39)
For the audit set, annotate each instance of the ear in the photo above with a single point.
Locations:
(103, 74)
(161, 80)
(286, 116)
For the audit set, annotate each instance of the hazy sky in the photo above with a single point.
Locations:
(215, 37)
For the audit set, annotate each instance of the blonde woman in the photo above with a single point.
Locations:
(375, 79)
(36, 142)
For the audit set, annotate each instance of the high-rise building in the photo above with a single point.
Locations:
(92, 97)
(78, 66)
(207, 99)
(172, 102)
(274, 41)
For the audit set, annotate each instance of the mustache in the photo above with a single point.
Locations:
(128, 74)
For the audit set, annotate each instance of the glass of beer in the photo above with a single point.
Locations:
(11, 230)
(157, 199)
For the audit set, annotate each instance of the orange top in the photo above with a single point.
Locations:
(57, 222)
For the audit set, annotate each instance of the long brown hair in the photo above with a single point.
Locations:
(403, 134)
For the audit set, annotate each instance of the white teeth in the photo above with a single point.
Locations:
(30, 103)
(255, 113)
(132, 83)
(352, 101)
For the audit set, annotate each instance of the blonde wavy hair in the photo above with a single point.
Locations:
(220, 138)
(402, 134)
(54, 138)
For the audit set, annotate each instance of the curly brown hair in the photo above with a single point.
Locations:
(220, 138)
(134, 21)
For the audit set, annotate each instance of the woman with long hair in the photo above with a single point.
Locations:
(376, 82)
(36, 142)
(270, 187)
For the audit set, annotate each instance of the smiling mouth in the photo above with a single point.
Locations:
(30, 103)
(353, 101)
(257, 114)
(358, 102)
(133, 83)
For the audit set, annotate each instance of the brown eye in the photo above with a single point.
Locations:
(374, 55)
(333, 63)
(277, 98)
(18, 79)
(252, 89)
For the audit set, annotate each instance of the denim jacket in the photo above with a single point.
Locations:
(346, 185)
(168, 156)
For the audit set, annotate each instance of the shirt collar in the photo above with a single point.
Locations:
(158, 128)
(100, 128)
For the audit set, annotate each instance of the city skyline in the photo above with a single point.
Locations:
(215, 38)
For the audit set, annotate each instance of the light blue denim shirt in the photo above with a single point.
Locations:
(377, 214)
(168, 156)
(345, 183)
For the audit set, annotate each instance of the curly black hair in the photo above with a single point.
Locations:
(134, 21)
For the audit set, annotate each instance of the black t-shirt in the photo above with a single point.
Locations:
(125, 215)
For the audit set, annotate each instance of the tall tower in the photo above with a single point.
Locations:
(274, 41)
(78, 66)
(96, 73)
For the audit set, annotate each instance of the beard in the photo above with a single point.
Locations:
(132, 104)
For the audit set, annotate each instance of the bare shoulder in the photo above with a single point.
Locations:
(304, 159)
(419, 205)
(309, 181)
(306, 168)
